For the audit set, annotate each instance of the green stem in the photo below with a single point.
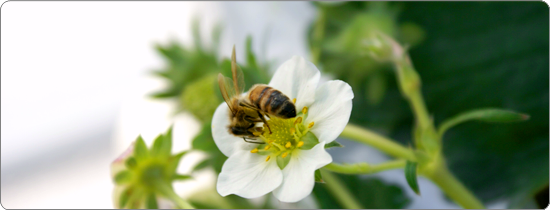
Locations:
(419, 109)
(169, 192)
(454, 188)
(337, 189)
(384, 144)
(364, 168)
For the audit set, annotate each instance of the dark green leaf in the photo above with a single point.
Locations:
(410, 175)
(333, 144)
(318, 177)
(151, 202)
(140, 150)
(123, 177)
(488, 115)
(372, 193)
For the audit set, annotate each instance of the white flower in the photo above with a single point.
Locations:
(286, 164)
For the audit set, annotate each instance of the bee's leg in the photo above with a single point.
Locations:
(252, 120)
(265, 122)
(254, 142)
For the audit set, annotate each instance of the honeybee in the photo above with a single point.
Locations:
(252, 108)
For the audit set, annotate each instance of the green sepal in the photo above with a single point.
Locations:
(333, 144)
(282, 162)
(318, 177)
(124, 197)
(130, 163)
(175, 160)
(162, 146)
(151, 202)
(410, 175)
(310, 140)
(181, 177)
(140, 150)
(123, 177)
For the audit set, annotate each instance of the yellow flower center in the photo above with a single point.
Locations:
(286, 135)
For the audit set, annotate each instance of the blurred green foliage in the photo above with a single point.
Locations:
(470, 55)
(372, 193)
(141, 174)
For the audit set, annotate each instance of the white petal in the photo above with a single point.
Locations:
(297, 78)
(226, 142)
(299, 174)
(331, 110)
(248, 175)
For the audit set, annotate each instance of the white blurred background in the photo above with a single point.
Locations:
(74, 83)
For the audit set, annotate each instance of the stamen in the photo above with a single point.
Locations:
(288, 144)
(300, 144)
(310, 124)
(292, 131)
(284, 154)
(298, 120)
(267, 159)
(267, 147)
(294, 100)
(304, 110)
(255, 150)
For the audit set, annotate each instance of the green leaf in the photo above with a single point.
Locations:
(140, 150)
(123, 177)
(372, 193)
(174, 161)
(333, 144)
(203, 164)
(410, 175)
(195, 30)
(181, 177)
(310, 140)
(162, 146)
(487, 115)
(216, 35)
(250, 57)
(151, 202)
(318, 177)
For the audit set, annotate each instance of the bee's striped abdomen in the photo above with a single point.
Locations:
(272, 101)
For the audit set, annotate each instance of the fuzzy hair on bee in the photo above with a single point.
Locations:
(247, 111)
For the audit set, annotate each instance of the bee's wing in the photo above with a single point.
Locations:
(226, 87)
(238, 76)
